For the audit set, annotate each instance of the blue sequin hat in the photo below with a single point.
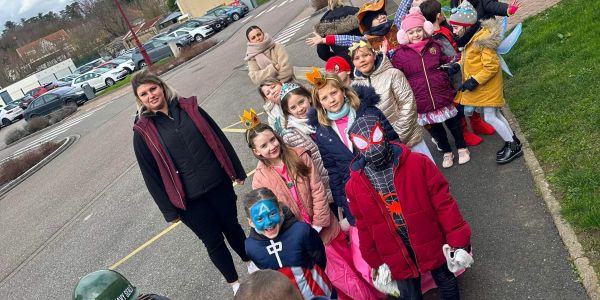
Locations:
(286, 88)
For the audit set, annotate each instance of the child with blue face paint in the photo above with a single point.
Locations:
(278, 241)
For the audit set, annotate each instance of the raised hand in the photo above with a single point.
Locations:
(316, 39)
(514, 6)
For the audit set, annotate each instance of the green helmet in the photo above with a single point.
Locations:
(104, 285)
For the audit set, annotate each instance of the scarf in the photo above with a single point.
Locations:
(301, 124)
(334, 116)
(256, 51)
(380, 30)
(418, 46)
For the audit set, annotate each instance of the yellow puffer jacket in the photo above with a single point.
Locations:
(480, 61)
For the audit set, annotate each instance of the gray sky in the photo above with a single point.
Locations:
(14, 10)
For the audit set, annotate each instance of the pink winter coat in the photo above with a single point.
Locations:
(310, 191)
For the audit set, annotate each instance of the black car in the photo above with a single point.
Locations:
(54, 100)
(217, 24)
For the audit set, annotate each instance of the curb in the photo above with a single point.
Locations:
(66, 144)
(588, 276)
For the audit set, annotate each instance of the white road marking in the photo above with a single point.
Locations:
(87, 217)
(282, 3)
(248, 18)
(262, 12)
(47, 136)
(286, 35)
(272, 8)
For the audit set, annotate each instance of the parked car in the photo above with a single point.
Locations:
(99, 78)
(119, 64)
(89, 66)
(54, 100)
(156, 50)
(181, 40)
(24, 102)
(235, 12)
(36, 92)
(198, 33)
(9, 114)
(216, 23)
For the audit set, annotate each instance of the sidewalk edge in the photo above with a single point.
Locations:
(589, 280)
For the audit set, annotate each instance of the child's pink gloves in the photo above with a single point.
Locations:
(512, 9)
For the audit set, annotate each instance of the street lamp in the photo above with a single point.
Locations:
(135, 38)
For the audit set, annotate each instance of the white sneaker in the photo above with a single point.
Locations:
(464, 156)
(448, 160)
(251, 267)
(235, 286)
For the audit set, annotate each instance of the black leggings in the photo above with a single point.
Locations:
(211, 216)
(438, 132)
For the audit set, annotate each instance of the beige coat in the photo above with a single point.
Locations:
(310, 191)
(294, 138)
(278, 55)
(397, 101)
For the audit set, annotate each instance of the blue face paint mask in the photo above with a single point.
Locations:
(265, 215)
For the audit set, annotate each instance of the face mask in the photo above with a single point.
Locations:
(265, 216)
(371, 142)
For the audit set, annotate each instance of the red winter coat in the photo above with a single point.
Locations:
(430, 84)
(431, 214)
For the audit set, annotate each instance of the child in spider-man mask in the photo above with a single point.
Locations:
(404, 211)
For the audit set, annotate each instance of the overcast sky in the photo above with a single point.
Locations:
(14, 10)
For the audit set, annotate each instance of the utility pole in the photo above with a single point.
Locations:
(135, 38)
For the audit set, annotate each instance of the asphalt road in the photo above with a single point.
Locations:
(89, 208)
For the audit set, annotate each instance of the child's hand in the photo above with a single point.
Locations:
(469, 85)
(514, 6)
(384, 46)
(316, 39)
(453, 68)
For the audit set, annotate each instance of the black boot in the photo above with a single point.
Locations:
(512, 151)
(500, 152)
(516, 139)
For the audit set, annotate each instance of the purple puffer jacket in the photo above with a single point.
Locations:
(430, 85)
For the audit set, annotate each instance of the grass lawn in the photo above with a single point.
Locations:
(115, 86)
(555, 96)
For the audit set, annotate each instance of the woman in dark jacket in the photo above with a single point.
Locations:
(339, 19)
(188, 166)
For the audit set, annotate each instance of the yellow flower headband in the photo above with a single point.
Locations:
(356, 45)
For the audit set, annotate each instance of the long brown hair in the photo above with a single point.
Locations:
(336, 82)
(291, 160)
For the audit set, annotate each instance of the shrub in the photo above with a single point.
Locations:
(15, 135)
(37, 124)
(15, 167)
(61, 114)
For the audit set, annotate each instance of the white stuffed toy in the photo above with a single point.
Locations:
(458, 259)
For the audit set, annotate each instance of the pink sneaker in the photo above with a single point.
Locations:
(464, 156)
(448, 160)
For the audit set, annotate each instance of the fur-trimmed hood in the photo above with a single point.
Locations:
(489, 35)
(341, 20)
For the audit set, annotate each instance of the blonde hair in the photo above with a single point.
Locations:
(336, 82)
(333, 4)
(146, 77)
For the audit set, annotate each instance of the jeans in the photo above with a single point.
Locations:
(211, 216)
(410, 289)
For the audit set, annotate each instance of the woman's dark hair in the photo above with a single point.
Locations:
(430, 9)
(301, 91)
(295, 166)
(250, 29)
(257, 195)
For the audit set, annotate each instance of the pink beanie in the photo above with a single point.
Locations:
(414, 19)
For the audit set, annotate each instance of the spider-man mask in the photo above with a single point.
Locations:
(368, 137)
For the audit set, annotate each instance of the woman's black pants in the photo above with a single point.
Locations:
(211, 216)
